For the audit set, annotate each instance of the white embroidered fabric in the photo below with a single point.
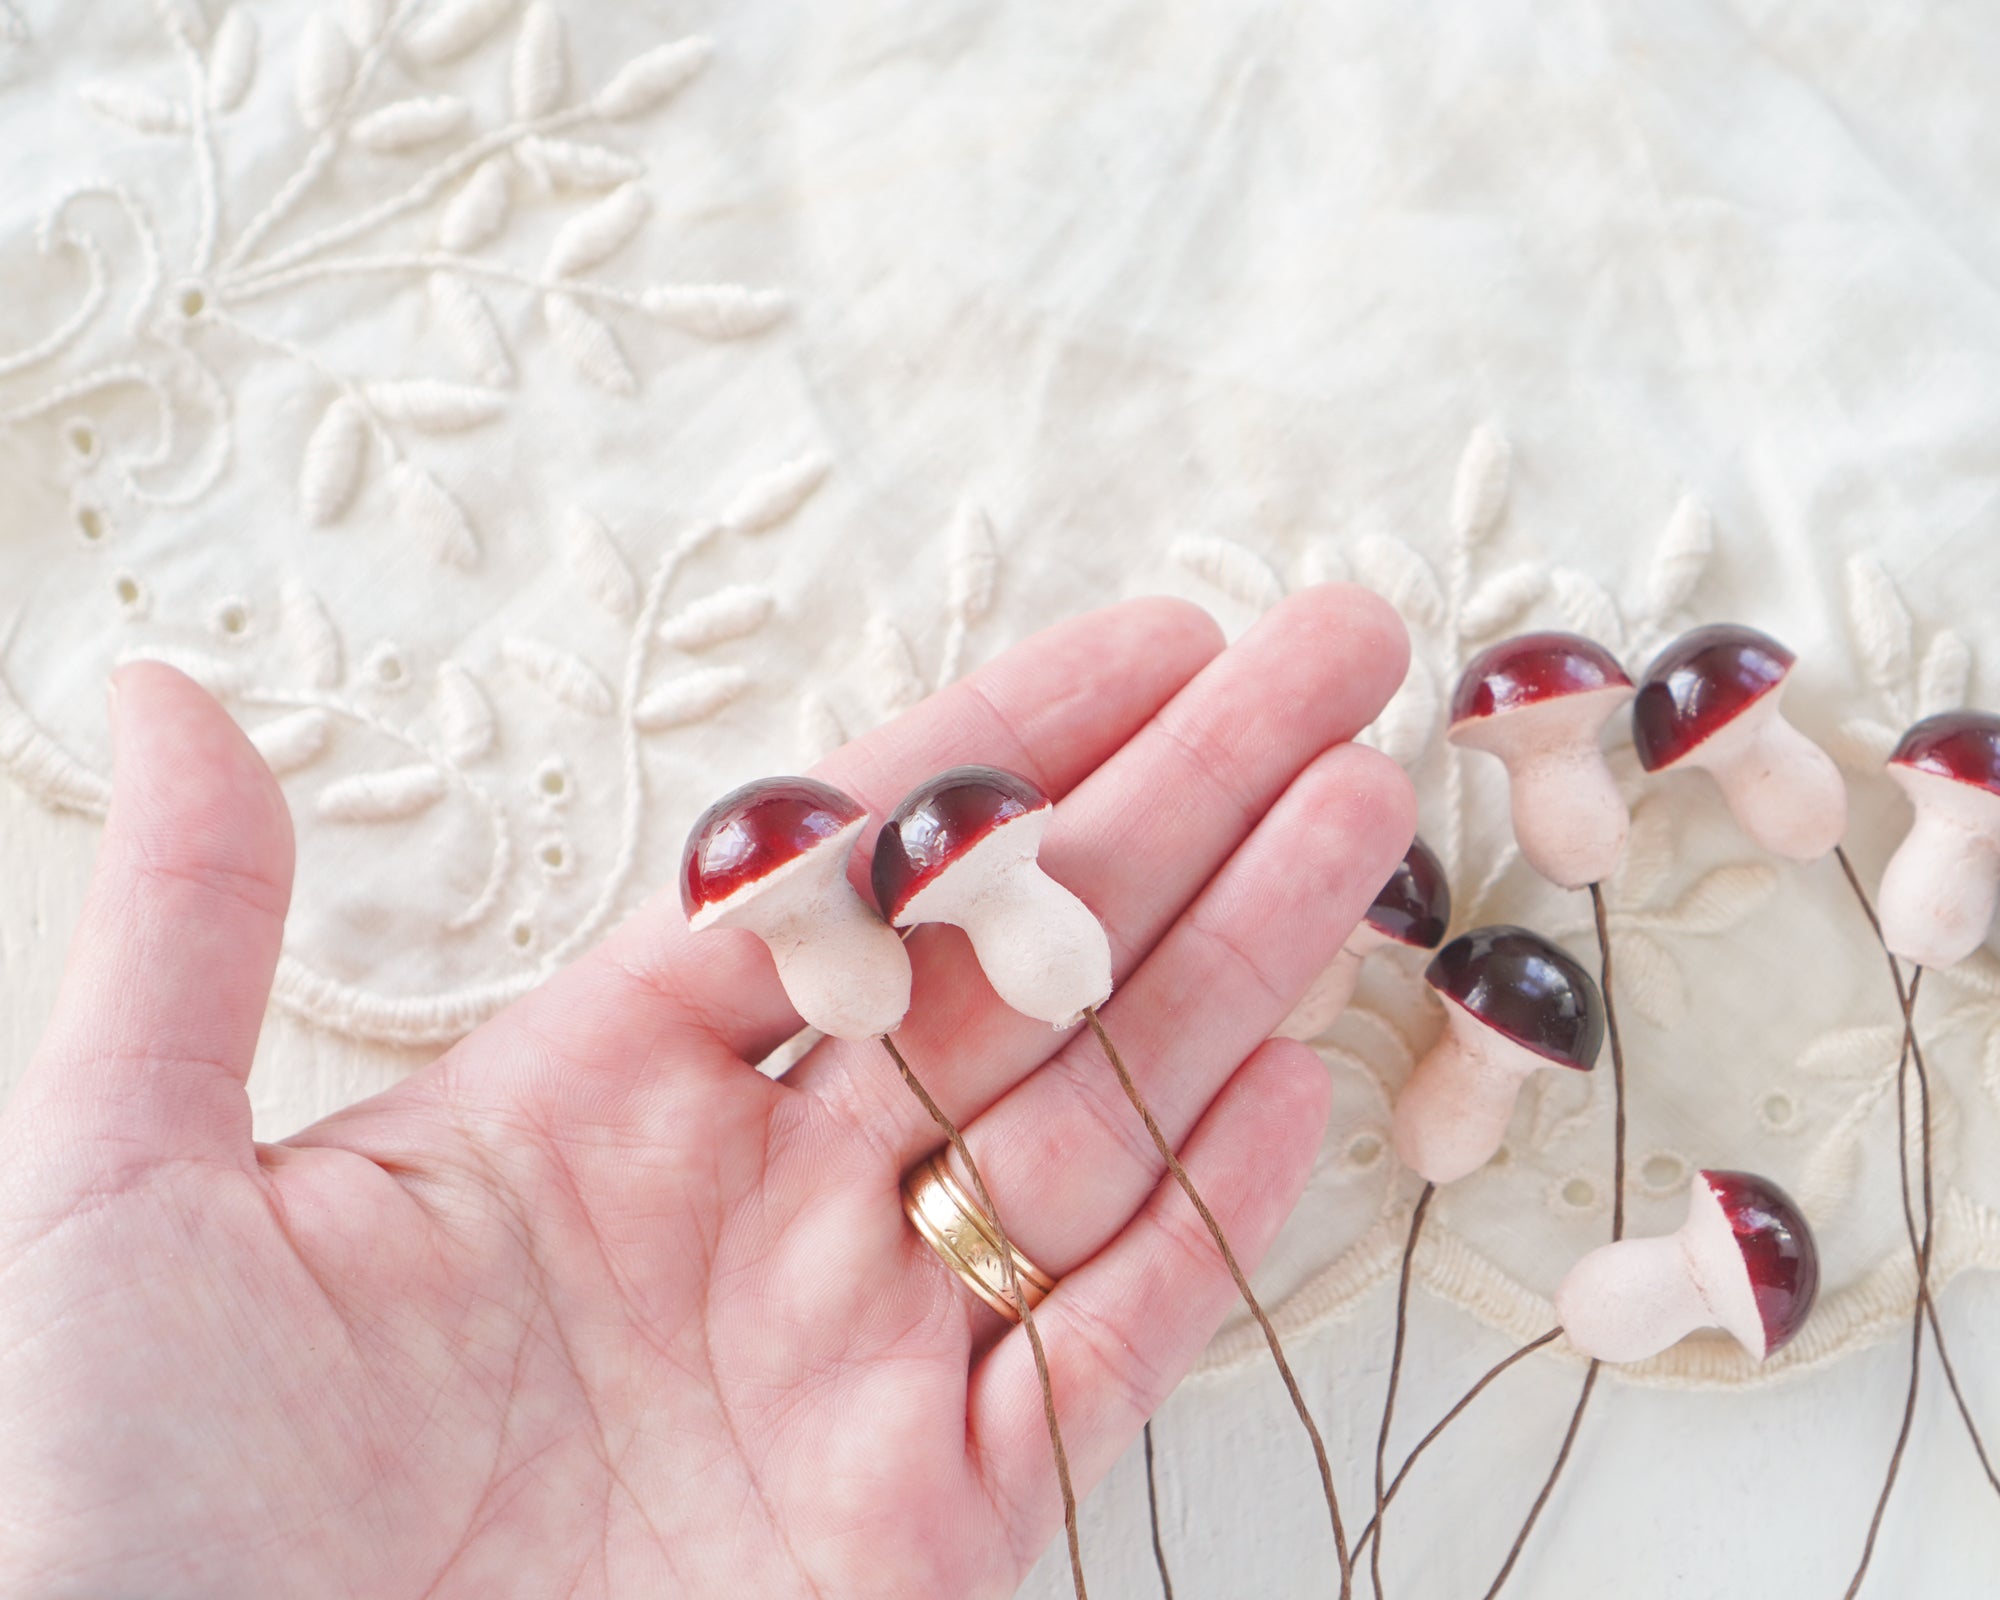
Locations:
(533, 418)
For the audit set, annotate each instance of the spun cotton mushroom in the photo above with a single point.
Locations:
(1744, 1261)
(962, 848)
(1711, 700)
(1942, 885)
(1413, 909)
(1539, 702)
(771, 858)
(1514, 1004)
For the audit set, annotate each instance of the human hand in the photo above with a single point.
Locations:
(587, 1306)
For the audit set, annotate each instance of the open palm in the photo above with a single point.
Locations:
(588, 1306)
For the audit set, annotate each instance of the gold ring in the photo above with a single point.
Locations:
(965, 1239)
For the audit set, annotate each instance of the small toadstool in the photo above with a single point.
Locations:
(1413, 909)
(962, 849)
(1514, 1004)
(1539, 702)
(771, 858)
(1710, 699)
(1744, 1261)
(1941, 886)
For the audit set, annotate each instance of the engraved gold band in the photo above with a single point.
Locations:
(952, 1224)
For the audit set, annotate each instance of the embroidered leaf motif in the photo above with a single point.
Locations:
(1852, 1055)
(411, 124)
(429, 512)
(1831, 1170)
(1882, 626)
(42, 766)
(1651, 978)
(716, 311)
(183, 19)
(434, 406)
(566, 164)
(589, 343)
(599, 567)
(289, 742)
(135, 108)
(1990, 1077)
(1479, 494)
(232, 60)
(598, 232)
(820, 729)
(1649, 852)
(1401, 576)
(1722, 898)
(690, 697)
(777, 496)
(1979, 972)
(468, 322)
(385, 796)
(893, 669)
(1587, 608)
(644, 82)
(464, 718)
(366, 19)
(568, 678)
(717, 618)
(311, 634)
(477, 212)
(449, 29)
(1866, 744)
(1946, 674)
(334, 456)
(1235, 569)
(325, 69)
(1404, 729)
(975, 564)
(540, 69)
(1500, 601)
(1683, 556)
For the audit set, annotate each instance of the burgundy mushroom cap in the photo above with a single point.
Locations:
(1700, 684)
(753, 831)
(939, 821)
(1961, 745)
(1529, 669)
(1780, 1259)
(1414, 907)
(1522, 986)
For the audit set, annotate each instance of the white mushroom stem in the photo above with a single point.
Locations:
(1784, 790)
(1569, 817)
(1321, 1005)
(842, 966)
(1942, 886)
(1041, 948)
(1453, 1111)
(1632, 1299)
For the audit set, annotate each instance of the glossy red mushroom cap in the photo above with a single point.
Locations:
(751, 832)
(1778, 1251)
(938, 822)
(1700, 684)
(1529, 669)
(1521, 985)
(1961, 745)
(1414, 907)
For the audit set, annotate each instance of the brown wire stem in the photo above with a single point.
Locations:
(1395, 1375)
(1153, 1515)
(1207, 1216)
(1549, 1483)
(1447, 1421)
(1011, 1283)
(1617, 1225)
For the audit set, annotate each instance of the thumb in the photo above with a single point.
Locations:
(171, 966)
